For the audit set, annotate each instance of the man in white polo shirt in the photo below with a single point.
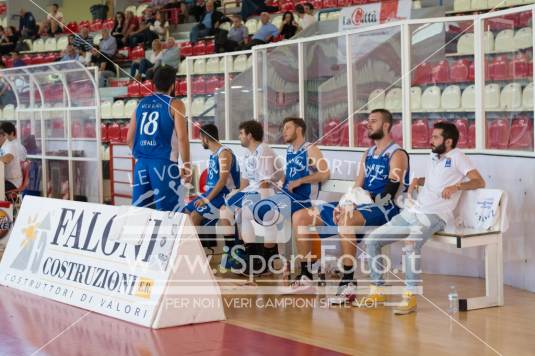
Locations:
(10, 157)
(448, 173)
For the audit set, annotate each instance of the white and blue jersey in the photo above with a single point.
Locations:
(156, 181)
(298, 165)
(377, 171)
(210, 211)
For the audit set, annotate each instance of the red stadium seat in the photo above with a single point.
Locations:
(420, 134)
(210, 47)
(83, 24)
(472, 135)
(96, 25)
(329, 4)
(499, 68)
(104, 133)
(462, 126)
(147, 88)
(114, 132)
(39, 59)
(183, 87)
(521, 135)
(344, 3)
(498, 134)
(287, 6)
(459, 71)
(186, 49)
(318, 4)
(8, 62)
(124, 132)
(109, 24)
(89, 129)
(441, 72)
(27, 59)
(195, 130)
(138, 52)
(199, 48)
(76, 129)
(49, 58)
(212, 84)
(397, 132)
(198, 86)
(518, 67)
(331, 133)
(72, 27)
(423, 74)
(361, 134)
(523, 19)
(133, 89)
(202, 181)
(530, 68)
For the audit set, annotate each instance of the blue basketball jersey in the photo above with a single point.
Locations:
(377, 169)
(155, 128)
(214, 171)
(299, 166)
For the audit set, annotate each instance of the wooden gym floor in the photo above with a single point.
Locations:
(31, 325)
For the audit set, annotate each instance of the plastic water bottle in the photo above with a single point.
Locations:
(453, 298)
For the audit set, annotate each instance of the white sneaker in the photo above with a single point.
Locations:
(346, 294)
(302, 285)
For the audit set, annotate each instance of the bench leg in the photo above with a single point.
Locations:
(493, 280)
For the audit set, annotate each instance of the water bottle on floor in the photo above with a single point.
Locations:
(453, 298)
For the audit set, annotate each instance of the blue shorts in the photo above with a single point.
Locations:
(210, 211)
(157, 185)
(236, 201)
(373, 214)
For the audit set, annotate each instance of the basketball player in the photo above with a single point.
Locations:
(383, 173)
(449, 172)
(158, 129)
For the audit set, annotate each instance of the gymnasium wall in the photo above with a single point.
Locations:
(515, 175)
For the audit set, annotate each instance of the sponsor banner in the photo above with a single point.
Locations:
(373, 14)
(98, 258)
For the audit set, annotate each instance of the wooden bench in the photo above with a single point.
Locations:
(482, 215)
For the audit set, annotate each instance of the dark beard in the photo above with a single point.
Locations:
(376, 135)
(440, 149)
(205, 146)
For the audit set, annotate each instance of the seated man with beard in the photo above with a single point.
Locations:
(383, 172)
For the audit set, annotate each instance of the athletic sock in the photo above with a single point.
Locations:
(305, 271)
(348, 276)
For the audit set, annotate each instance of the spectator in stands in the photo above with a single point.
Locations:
(237, 37)
(118, 26)
(83, 41)
(106, 68)
(17, 61)
(198, 9)
(27, 24)
(160, 25)
(306, 18)
(255, 7)
(309, 9)
(108, 43)
(130, 26)
(70, 54)
(209, 22)
(175, 4)
(55, 19)
(139, 68)
(6, 93)
(170, 56)
(11, 135)
(10, 157)
(265, 33)
(8, 40)
(288, 27)
(143, 34)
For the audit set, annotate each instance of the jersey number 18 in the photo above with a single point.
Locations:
(149, 127)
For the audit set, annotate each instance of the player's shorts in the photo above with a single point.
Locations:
(236, 200)
(373, 214)
(209, 211)
(157, 185)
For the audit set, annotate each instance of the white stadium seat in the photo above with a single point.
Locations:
(212, 65)
(252, 25)
(131, 8)
(431, 98)
(130, 107)
(97, 38)
(225, 26)
(527, 96)
(8, 112)
(523, 38)
(461, 5)
(323, 16)
(465, 45)
(416, 98)
(250, 61)
(240, 63)
(451, 97)
(277, 20)
(511, 96)
(140, 9)
(222, 64)
(62, 43)
(50, 44)
(492, 96)
(182, 67)
(1, 115)
(494, 3)
(199, 66)
(468, 99)
(393, 100)
(504, 41)
(376, 100)
(209, 107)
(197, 107)
(117, 109)
(488, 41)
(39, 45)
(334, 15)
(478, 4)
(29, 43)
(513, 2)
(105, 109)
